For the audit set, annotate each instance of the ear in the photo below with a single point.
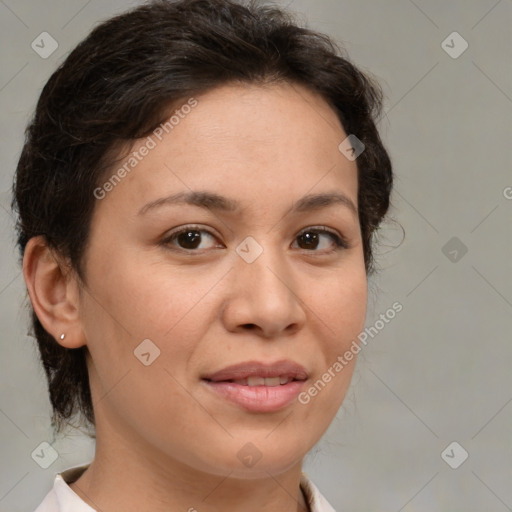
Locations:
(54, 292)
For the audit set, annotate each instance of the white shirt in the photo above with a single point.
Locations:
(62, 498)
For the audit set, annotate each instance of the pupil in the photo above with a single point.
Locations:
(189, 239)
(310, 239)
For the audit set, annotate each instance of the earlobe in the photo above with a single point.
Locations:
(53, 291)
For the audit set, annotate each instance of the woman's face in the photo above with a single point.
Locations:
(208, 253)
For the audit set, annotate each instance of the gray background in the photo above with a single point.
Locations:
(440, 371)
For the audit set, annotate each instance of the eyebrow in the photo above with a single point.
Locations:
(213, 201)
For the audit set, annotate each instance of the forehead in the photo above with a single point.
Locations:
(276, 139)
(243, 120)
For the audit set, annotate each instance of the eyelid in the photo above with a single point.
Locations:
(166, 241)
(339, 240)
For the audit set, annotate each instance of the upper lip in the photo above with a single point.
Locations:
(247, 369)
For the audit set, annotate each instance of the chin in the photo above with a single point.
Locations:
(256, 459)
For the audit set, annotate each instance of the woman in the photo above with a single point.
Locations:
(197, 196)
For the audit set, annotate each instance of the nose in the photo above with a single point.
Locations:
(263, 298)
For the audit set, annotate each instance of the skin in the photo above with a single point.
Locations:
(164, 440)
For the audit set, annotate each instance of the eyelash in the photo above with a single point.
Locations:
(340, 242)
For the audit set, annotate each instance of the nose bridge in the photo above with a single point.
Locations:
(263, 265)
(268, 279)
(265, 294)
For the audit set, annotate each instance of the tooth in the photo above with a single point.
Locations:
(243, 382)
(284, 380)
(272, 381)
(255, 381)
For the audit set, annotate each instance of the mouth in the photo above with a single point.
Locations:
(272, 373)
(259, 380)
(258, 387)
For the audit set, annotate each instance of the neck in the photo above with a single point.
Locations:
(134, 479)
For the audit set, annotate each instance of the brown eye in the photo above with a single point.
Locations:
(309, 239)
(190, 239)
(320, 240)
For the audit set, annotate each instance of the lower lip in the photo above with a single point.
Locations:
(258, 398)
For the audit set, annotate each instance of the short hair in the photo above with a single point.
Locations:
(118, 85)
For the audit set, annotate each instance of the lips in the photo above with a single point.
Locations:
(255, 373)
(258, 387)
(281, 380)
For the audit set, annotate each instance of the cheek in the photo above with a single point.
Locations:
(146, 298)
(341, 310)
(341, 305)
(131, 305)
(135, 301)
(350, 314)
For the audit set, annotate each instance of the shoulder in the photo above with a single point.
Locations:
(315, 500)
(61, 497)
(49, 504)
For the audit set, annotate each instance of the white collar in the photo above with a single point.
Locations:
(63, 499)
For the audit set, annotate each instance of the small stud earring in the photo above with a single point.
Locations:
(62, 336)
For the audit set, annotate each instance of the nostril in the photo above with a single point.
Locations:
(250, 326)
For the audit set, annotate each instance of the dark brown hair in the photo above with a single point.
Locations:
(117, 85)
